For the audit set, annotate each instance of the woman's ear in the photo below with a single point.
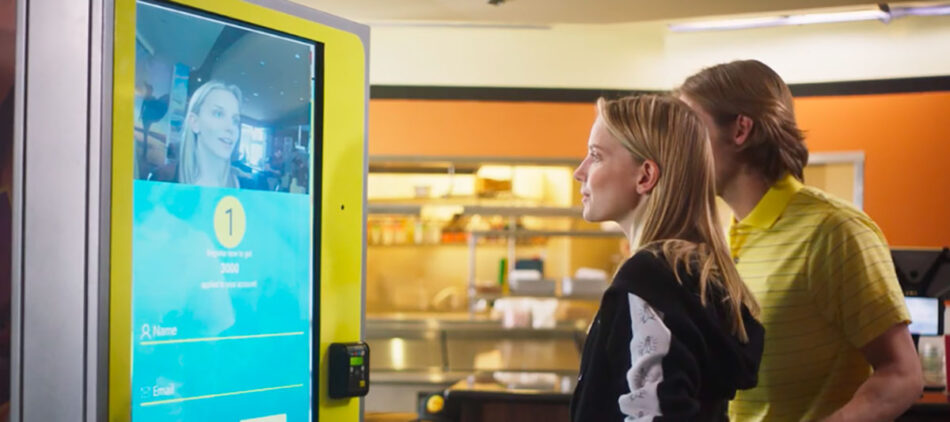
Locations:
(648, 177)
(193, 122)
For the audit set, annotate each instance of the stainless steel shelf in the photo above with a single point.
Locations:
(523, 211)
(546, 233)
(394, 209)
(489, 296)
(506, 211)
(455, 160)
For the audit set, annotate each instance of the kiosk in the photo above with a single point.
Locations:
(207, 212)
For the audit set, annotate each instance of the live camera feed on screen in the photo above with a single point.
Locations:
(222, 236)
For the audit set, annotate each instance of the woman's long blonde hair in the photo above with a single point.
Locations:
(187, 165)
(680, 217)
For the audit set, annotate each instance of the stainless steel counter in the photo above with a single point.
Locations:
(425, 355)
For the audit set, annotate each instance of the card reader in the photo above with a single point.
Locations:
(349, 370)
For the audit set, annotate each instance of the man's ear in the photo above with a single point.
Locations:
(648, 178)
(742, 129)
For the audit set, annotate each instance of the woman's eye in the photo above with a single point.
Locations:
(217, 113)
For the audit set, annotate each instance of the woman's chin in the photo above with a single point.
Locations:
(220, 151)
(224, 155)
(590, 217)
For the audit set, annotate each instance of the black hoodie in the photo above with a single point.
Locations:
(655, 353)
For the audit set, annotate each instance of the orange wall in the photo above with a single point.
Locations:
(906, 140)
(905, 137)
(479, 128)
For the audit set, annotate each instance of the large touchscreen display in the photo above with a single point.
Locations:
(222, 235)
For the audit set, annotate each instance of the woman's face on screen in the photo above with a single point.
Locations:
(218, 123)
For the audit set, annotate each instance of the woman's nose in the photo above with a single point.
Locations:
(579, 173)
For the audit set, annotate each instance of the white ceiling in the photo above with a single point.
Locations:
(271, 72)
(542, 12)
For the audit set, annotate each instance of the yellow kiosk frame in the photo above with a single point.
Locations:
(339, 316)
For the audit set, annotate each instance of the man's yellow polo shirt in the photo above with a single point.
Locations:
(822, 273)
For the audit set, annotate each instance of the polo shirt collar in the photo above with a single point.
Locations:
(773, 204)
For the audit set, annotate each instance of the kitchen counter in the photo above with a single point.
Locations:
(931, 407)
(412, 355)
(506, 396)
(500, 397)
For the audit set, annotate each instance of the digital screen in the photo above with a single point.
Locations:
(222, 237)
(356, 361)
(924, 315)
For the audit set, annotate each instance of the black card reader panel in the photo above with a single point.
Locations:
(349, 370)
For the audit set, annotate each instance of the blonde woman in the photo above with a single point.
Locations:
(210, 133)
(676, 334)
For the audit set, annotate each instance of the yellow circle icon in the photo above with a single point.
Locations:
(434, 404)
(229, 222)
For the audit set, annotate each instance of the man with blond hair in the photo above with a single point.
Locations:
(837, 346)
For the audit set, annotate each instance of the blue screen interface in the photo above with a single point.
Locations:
(222, 237)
